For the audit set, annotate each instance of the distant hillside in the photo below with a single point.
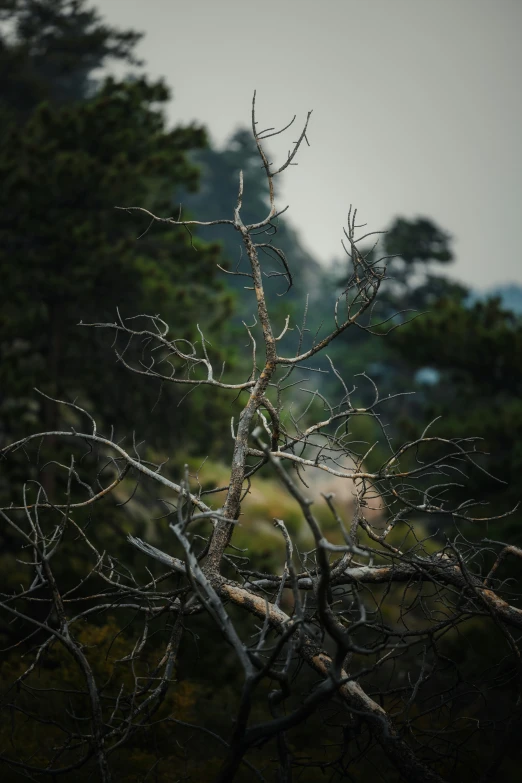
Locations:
(510, 295)
(217, 197)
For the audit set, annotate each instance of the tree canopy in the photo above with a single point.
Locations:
(66, 254)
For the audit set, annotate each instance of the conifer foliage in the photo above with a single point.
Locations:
(71, 151)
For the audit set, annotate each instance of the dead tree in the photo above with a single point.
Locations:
(369, 608)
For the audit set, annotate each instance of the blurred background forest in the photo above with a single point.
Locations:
(72, 147)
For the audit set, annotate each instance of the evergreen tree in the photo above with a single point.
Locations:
(49, 50)
(475, 357)
(218, 196)
(66, 255)
(412, 285)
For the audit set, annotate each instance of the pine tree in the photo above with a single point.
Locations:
(66, 255)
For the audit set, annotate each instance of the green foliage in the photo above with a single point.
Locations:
(41, 694)
(473, 354)
(49, 50)
(67, 256)
(417, 241)
(410, 248)
(218, 197)
(476, 353)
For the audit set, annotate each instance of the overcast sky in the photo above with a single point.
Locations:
(417, 107)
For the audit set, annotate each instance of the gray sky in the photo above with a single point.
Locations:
(417, 107)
